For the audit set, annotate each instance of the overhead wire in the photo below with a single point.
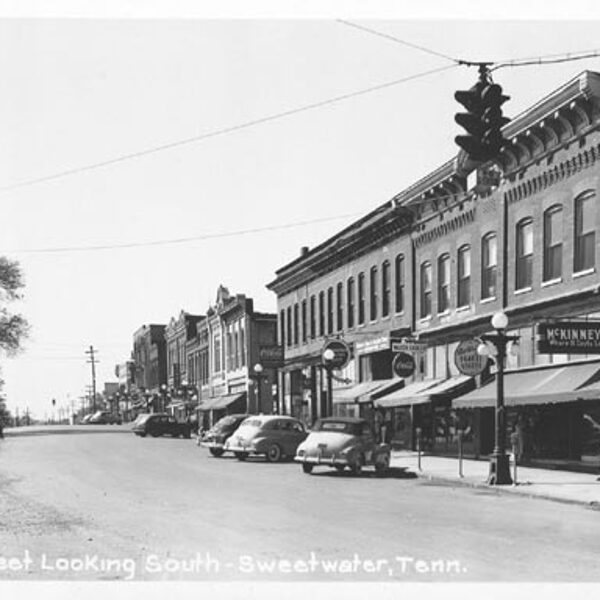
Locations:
(221, 131)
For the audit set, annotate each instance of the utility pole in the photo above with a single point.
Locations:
(92, 360)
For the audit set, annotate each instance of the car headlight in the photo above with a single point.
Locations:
(348, 450)
(301, 452)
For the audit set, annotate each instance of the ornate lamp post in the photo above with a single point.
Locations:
(499, 460)
(328, 356)
(258, 376)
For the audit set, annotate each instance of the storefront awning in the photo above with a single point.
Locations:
(363, 392)
(415, 393)
(542, 385)
(220, 402)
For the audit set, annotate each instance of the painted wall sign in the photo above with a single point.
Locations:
(270, 356)
(341, 353)
(467, 360)
(568, 337)
(403, 364)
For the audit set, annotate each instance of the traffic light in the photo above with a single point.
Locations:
(483, 120)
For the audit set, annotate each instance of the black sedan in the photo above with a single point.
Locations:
(157, 424)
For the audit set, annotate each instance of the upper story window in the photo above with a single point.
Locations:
(350, 302)
(321, 313)
(289, 326)
(361, 298)
(524, 254)
(489, 265)
(425, 289)
(374, 296)
(242, 345)
(385, 289)
(463, 297)
(330, 310)
(303, 316)
(313, 318)
(296, 324)
(217, 354)
(585, 232)
(443, 278)
(399, 273)
(553, 238)
(339, 302)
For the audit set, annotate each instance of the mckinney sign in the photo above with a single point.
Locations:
(569, 337)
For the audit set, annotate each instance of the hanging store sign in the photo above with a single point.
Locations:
(568, 337)
(467, 360)
(409, 345)
(341, 353)
(403, 364)
(271, 356)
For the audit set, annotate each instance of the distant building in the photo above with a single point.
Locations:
(150, 366)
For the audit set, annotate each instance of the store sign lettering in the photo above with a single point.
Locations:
(569, 337)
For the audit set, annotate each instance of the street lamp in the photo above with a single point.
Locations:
(163, 397)
(258, 375)
(328, 356)
(499, 461)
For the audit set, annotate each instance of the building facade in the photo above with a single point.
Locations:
(150, 367)
(434, 264)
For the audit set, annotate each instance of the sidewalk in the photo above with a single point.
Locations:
(560, 486)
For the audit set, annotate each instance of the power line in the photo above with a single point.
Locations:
(196, 238)
(398, 40)
(547, 61)
(219, 132)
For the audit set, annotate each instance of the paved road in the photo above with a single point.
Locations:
(104, 504)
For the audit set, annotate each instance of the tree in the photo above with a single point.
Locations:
(5, 417)
(13, 327)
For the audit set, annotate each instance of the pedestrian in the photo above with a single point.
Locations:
(1, 430)
(517, 439)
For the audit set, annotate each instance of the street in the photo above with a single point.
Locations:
(102, 504)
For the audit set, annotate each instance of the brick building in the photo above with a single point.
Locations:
(436, 262)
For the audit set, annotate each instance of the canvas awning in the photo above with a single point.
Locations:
(363, 392)
(567, 382)
(220, 402)
(414, 393)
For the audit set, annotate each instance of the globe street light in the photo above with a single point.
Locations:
(258, 375)
(328, 356)
(163, 397)
(499, 461)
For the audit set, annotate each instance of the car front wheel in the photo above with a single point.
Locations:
(241, 455)
(382, 466)
(216, 451)
(307, 468)
(274, 453)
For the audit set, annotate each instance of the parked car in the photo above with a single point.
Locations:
(343, 442)
(104, 417)
(274, 436)
(214, 439)
(86, 419)
(157, 424)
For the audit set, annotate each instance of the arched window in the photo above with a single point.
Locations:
(399, 273)
(340, 306)
(374, 295)
(489, 265)
(443, 288)
(385, 289)
(585, 232)
(425, 279)
(350, 302)
(313, 317)
(463, 296)
(361, 298)
(330, 310)
(553, 240)
(524, 256)
(321, 313)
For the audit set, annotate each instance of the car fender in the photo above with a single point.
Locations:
(260, 443)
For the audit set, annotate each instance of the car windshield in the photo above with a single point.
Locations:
(142, 419)
(339, 427)
(252, 423)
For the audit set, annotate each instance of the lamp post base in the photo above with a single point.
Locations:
(499, 470)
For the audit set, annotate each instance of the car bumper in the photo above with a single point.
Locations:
(317, 459)
(217, 445)
(240, 448)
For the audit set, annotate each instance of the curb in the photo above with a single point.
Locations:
(507, 490)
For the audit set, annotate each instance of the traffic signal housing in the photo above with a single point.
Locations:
(483, 120)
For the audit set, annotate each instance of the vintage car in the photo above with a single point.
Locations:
(157, 424)
(214, 439)
(104, 417)
(274, 436)
(343, 442)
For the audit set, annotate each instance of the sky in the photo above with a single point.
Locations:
(257, 185)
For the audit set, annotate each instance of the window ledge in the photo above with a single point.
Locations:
(487, 300)
(584, 273)
(523, 290)
(444, 313)
(463, 308)
(425, 319)
(551, 282)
